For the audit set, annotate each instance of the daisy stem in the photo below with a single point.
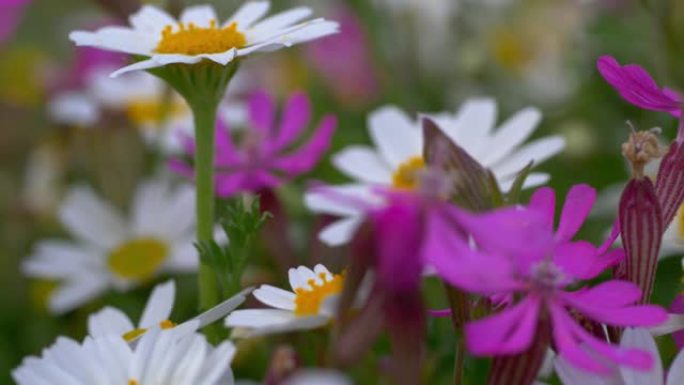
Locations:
(205, 121)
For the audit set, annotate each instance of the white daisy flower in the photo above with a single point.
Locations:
(157, 313)
(112, 251)
(169, 357)
(310, 305)
(316, 376)
(397, 158)
(199, 36)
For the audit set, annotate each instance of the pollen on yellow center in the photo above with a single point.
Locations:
(138, 259)
(193, 40)
(142, 112)
(406, 175)
(132, 382)
(308, 301)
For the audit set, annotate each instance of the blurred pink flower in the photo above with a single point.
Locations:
(520, 254)
(636, 86)
(10, 15)
(265, 157)
(344, 60)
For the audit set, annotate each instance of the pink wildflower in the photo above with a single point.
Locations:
(521, 256)
(266, 158)
(636, 86)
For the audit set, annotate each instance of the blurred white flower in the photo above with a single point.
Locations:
(112, 251)
(169, 357)
(317, 376)
(396, 160)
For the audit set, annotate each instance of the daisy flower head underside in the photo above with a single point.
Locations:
(198, 35)
(309, 305)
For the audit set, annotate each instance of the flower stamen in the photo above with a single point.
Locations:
(308, 300)
(406, 176)
(193, 40)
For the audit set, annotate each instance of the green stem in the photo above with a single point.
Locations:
(205, 121)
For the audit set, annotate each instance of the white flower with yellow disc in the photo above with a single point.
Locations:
(157, 314)
(198, 35)
(170, 357)
(310, 304)
(397, 162)
(111, 250)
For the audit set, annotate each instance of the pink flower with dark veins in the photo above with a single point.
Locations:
(519, 254)
(268, 154)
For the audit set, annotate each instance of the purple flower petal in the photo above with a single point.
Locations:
(577, 206)
(509, 332)
(544, 200)
(262, 112)
(577, 259)
(305, 158)
(296, 118)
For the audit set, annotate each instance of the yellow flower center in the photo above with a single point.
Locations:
(511, 51)
(135, 333)
(193, 40)
(308, 300)
(145, 112)
(406, 175)
(132, 382)
(138, 259)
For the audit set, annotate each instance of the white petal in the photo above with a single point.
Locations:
(275, 297)
(137, 66)
(363, 164)
(297, 324)
(217, 363)
(340, 232)
(533, 179)
(248, 14)
(184, 257)
(537, 151)
(109, 322)
(320, 269)
(76, 293)
(200, 15)
(676, 373)
(73, 108)
(258, 318)
(306, 275)
(472, 124)
(317, 377)
(395, 135)
(342, 200)
(151, 20)
(511, 134)
(642, 340)
(571, 375)
(270, 26)
(221, 310)
(159, 305)
(61, 259)
(91, 219)
(117, 39)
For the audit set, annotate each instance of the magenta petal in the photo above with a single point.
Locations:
(604, 312)
(306, 158)
(514, 232)
(577, 259)
(613, 293)
(225, 150)
(261, 112)
(229, 185)
(296, 118)
(544, 200)
(677, 307)
(509, 332)
(181, 168)
(577, 206)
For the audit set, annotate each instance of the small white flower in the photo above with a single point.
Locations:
(198, 35)
(397, 158)
(169, 357)
(310, 305)
(631, 338)
(157, 313)
(111, 251)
